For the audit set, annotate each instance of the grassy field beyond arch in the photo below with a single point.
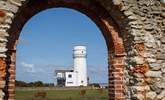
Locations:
(61, 94)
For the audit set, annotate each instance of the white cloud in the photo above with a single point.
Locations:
(98, 70)
(23, 41)
(45, 72)
(28, 67)
(98, 73)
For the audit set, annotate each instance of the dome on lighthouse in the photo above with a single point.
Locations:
(79, 51)
(79, 47)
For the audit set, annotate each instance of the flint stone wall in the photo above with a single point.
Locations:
(142, 27)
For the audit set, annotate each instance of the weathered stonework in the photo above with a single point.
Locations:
(148, 27)
(134, 31)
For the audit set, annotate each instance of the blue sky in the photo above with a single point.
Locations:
(46, 44)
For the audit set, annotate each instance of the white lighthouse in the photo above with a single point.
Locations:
(78, 75)
(80, 65)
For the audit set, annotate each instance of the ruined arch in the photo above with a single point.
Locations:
(110, 30)
(138, 23)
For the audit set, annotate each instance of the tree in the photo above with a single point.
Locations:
(38, 84)
(95, 85)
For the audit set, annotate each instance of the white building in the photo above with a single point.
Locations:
(77, 76)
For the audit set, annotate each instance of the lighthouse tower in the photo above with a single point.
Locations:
(80, 65)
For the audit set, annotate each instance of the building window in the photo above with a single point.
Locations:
(69, 76)
(69, 82)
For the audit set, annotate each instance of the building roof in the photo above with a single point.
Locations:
(63, 71)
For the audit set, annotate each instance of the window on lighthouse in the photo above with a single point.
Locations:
(82, 81)
(69, 76)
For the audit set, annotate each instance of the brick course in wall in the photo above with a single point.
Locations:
(134, 31)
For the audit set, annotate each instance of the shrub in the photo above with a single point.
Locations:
(82, 92)
(40, 94)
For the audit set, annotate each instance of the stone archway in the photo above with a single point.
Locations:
(94, 11)
(139, 25)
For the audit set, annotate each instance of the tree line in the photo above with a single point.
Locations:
(33, 84)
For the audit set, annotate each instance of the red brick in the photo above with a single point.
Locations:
(140, 68)
(2, 68)
(2, 13)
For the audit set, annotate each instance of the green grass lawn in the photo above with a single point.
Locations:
(63, 95)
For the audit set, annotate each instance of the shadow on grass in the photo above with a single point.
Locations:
(82, 98)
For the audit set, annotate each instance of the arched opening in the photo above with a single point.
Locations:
(45, 45)
(94, 11)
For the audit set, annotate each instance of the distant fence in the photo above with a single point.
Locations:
(51, 88)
